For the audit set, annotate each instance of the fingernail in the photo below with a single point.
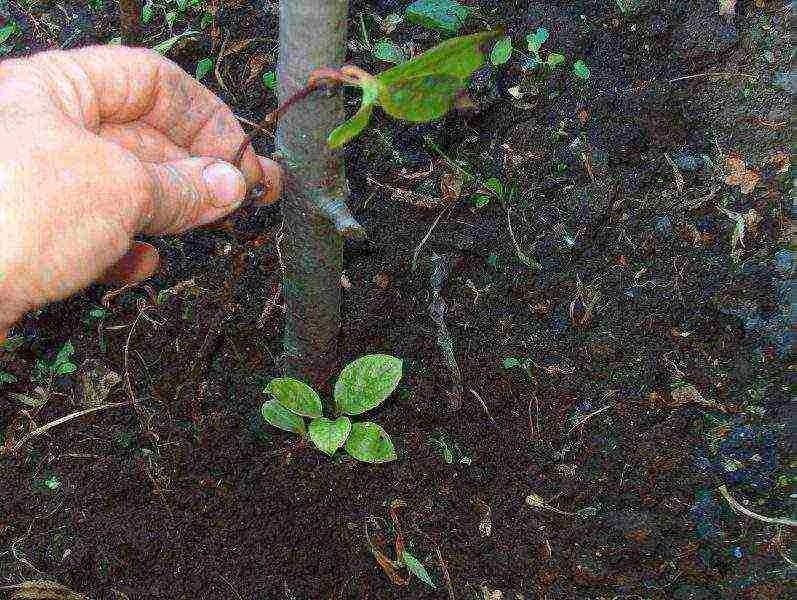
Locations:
(227, 185)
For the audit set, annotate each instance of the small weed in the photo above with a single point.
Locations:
(445, 15)
(8, 32)
(204, 66)
(362, 385)
(270, 80)
(627, 7)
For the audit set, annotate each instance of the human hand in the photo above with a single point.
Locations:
(100, 144)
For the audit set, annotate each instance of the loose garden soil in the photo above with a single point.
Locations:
(644, 363)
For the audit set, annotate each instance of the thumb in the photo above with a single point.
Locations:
(186, 193)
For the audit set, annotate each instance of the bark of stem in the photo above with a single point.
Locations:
(312, 34)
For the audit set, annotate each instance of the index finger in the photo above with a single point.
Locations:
(117, 84)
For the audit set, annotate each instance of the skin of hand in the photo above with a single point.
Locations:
(100, 144)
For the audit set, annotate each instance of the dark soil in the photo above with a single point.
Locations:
(193, 496)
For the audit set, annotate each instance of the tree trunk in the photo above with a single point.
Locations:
(130, 19)
(312, 34)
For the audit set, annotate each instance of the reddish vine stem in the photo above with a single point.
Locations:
(319, 78)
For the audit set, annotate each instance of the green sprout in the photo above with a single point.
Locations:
(627, 7)
(581, 70)
(362, 385)
(419, 90)
(535, 41)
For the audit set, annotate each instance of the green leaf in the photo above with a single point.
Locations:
(510, 362)
(581, 70)
(421, 99)
(537, 39)
(555, 59)
(481, 200)
(165, 46)
(32, 401)
(9, 30)
(270, 80)
(66, 351)
(64, 368)
(329, 435)
(365, 383)
(146, 13)
(501, 51)
(12, 343)
(447, 15)
(495, 185)
(7, 377)
(369, 443)
(203, 67)
(458, 57)
(387, 51)
(417, 569)
(352, 128)
(279, 416)
(296, 396)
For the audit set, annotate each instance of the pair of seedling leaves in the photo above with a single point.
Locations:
(362, 385)
(420, 90)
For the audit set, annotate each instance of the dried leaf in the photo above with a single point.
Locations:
(257, 63)
(739, 174)
(408, 197)
(451, 187)
(45, 590)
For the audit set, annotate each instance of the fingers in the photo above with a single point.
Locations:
(271, 181)
(187, 193)
(145, 103)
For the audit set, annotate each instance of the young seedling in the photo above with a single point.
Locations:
(535, 41)
(46, 374)
(362, 385)
(420, 90)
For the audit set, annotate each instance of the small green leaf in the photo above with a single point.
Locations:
(555, 59)
(352, 128)
(417, 569)
(64, 368)
(365, 383)
(369, 443)
(447, 15)
(165, 46)
(495, 185)
(270, 80)
(279, 416)
(581, 70)
(458, 57)
(481, 200)
(387, 51)
(537, 39)
(203, 67)
(329, 435)
(146, 13)
(12, 343)
(66, 351)
(9, 30)
(115, 41)
(510, 362)
(7, 377)
(296, 396)
(421, 99)
(501, 51)
(32, 401)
